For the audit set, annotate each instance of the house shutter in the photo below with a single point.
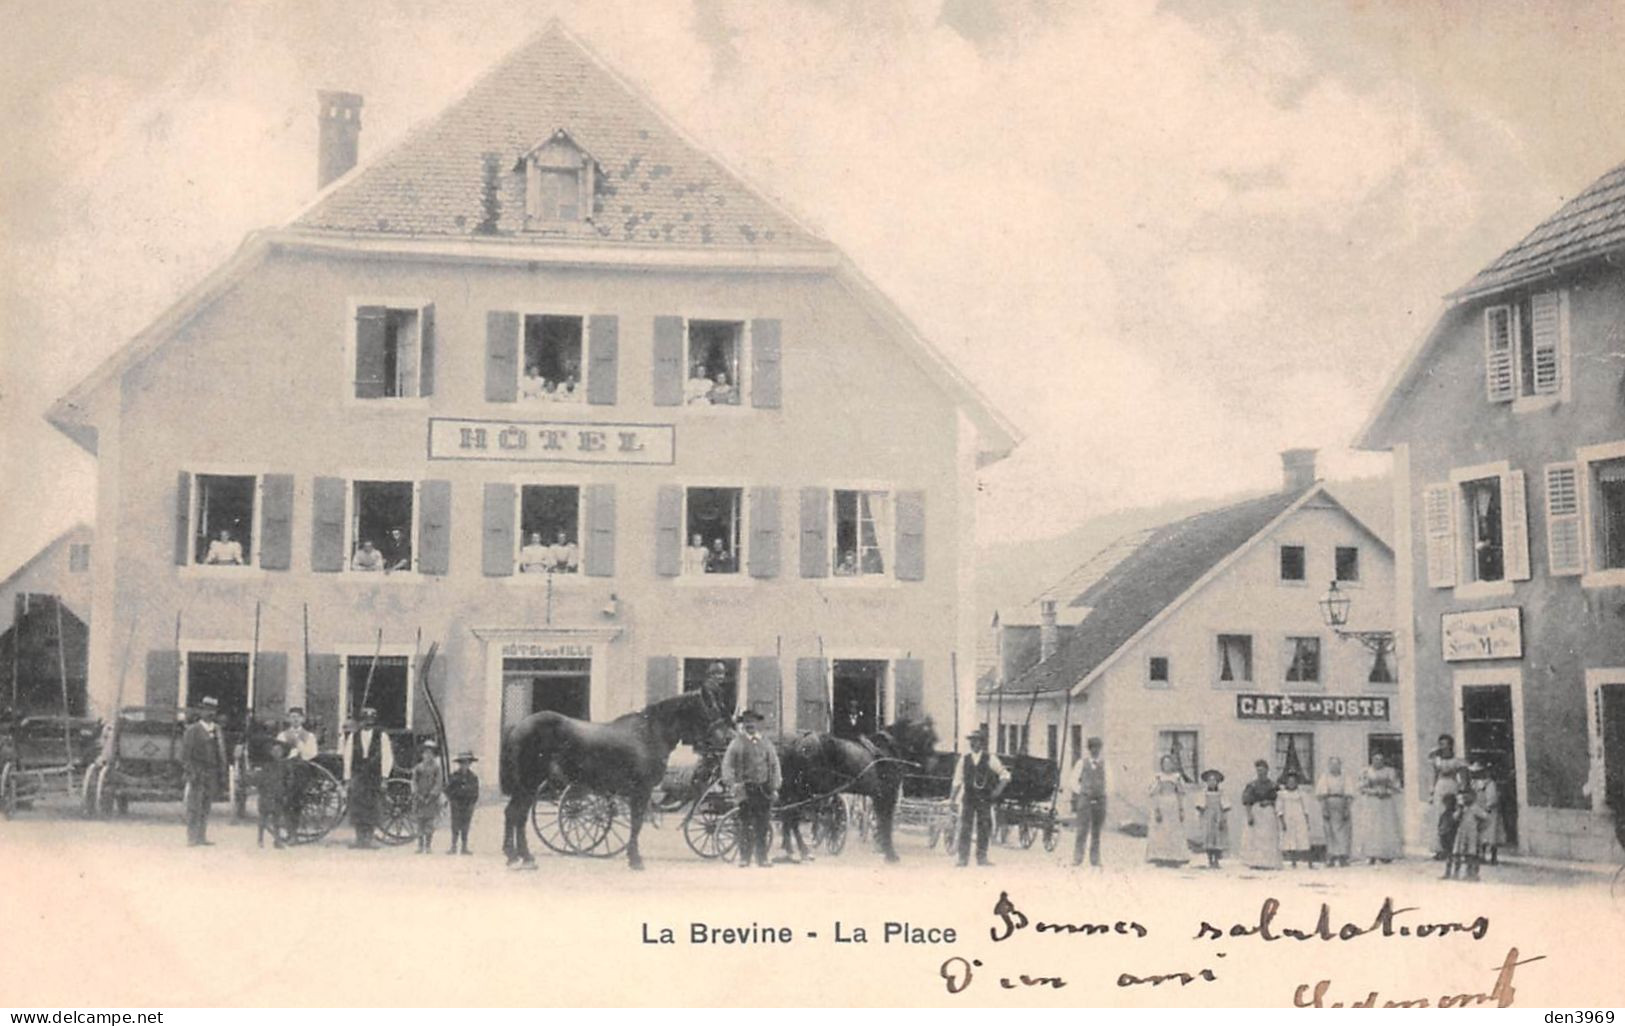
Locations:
(1439, 528)
(599, 558)
(370, 343)
(1515, 525)
(763, 554)
(498, 557)
(501, 356)
(327, 525)
(434, 527)
(163, 678)
(1546, 330)
(765, 387)
(603, 358)
(322, 699)
(426, 368)
(815, 532)
(1565, 546)
(271, 684)
(668, 361)
(669, 530)
(659, 679)
(276, 532)
(183, 525)
(812, 711)
(911, 536)
(909, 675)
(1498, 354)
(764, 683)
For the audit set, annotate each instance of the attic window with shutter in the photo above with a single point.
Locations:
(1526, 350)
(559, 183)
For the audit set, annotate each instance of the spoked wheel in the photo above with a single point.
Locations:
(831, 822)
(396, 826)
(711, 828)
(317, 805)
(1026, 834)
(594, 823)
(8, 790)
(544, 818)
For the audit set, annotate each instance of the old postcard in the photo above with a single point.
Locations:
(813, 502)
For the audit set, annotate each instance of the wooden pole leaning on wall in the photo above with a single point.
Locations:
(304, 699)
(953, 668)
(62, 674)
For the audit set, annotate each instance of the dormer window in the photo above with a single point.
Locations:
(558, 183)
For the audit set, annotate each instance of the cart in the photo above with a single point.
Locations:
(41, 754)
(1028, 802)
(711, 825)
(924, 804)
(140, 761)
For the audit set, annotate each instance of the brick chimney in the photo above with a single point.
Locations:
(339, 116)
(1049, 635)
(1297, 469)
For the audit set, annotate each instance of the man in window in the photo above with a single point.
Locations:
(533, 386)
(563, 554)
(720, 560)
(397, 551)
(695, 556)
(224, 550)
(534, 557)
(367, 558)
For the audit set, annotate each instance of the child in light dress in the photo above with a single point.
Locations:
(1214, 810)
(1291, 804)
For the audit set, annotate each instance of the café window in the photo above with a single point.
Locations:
(863, 533)
(1382, 670)
(1183, 746)
(223, 519)
(1295, 751)
(1481, 501)
(724, 671)
(1347, 569)
(549, 529)
(380, 523)
(553, 358)
(383, 684)
(714, 529)
(714, 357)
(391, 352)
(1292, 563)
(1235, 657)
(1303, 660)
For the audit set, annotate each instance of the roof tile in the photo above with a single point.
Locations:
(1589, 225)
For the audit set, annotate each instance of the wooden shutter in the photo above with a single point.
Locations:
(501, 356)
(668, 361)
(764, 685)
(812, 710)
(669, 538)
(371, 325)
(1565, 537)
(815, 532)
(911, 536)
(498, 556)
(426, 364)
(763, 554)
(276, 521)
(327, 524)
(659, 679)
(909, 677)
(322, 699)
(603, 358)
(599, 558)
(163, 678)
(765, 387)
(271, 684)
(1498, 354)
(1439, 529)
(183, 523)
(434, 527)
(1546, 330)
(1515, 525)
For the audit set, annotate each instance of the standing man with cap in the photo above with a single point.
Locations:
(1089, 802)
(750, 769)
(979, 779)
(368, 759)
(203, 758)
(463, 793)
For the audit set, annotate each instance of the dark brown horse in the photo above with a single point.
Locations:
(814, 765)
(625, 757)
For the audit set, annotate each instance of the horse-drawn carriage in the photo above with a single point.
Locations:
(43, 753)
(140, 760)
(711, 824)
(1027, 803)
(925, 800)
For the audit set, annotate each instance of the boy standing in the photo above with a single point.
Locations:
(428, 783)
(273, 785)
(463, 792)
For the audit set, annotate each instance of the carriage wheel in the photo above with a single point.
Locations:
(711, 828)
(1026, 834)
(318, 805)
(832, 818)
(1051, 837)
(583, 819)
(8, 790)
(544, 817)
(396, 826)
(617, 813)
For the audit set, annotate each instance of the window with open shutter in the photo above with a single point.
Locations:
(276, 541)
(270, 684)
(764, 684)
(163, 678)
(603, 357)
(1515, 526)
(434, 527)
(763, 551)
(911, 536)
(1439, 530)
(327, 525)
(426, 372)
(669, 539)
(1546, 334)
(1565, 535)
(812, 700)
(1498, 353)
(815, 532)
(765, 385)
(497, 556)
(183, 518)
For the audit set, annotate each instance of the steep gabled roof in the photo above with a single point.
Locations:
(657, 187)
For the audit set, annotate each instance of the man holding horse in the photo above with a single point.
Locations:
(979, 779)
(750, 769)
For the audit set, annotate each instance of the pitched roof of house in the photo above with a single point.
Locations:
(655, 186)
(1168, 562)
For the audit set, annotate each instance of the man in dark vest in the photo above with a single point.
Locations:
(368, 759)
(979, 779)
(203, 759)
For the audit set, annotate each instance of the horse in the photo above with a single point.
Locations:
(812, 765)
(625, 757)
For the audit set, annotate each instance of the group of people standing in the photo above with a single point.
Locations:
(1471, 828)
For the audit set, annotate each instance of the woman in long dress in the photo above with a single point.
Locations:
(1261, 837)
(1376, 833)
(1165, 844)
(1336, 793)
(1293, 807)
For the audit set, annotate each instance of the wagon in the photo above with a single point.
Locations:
(1028, 802)
(924, 803)
(139, 762)
(45, 753)
(318, 799)
(711, 826)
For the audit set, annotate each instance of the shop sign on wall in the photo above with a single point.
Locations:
(457, 438)
(1482, 634)
(1321, 708)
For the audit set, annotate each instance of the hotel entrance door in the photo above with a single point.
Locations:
(546, 685)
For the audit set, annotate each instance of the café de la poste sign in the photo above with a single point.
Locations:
(518, 441)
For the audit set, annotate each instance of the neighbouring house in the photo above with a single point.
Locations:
(43, 652)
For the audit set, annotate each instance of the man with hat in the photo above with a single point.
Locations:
(463, 793)
(1089, 802)
(368, 759)
(750, 769)
(203, 759)
(979, 779)
(300, 741)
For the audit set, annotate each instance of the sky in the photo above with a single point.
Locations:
(1167, 239)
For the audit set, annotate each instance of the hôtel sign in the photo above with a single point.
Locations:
(1482, 634)
(1323, 708)
(456, 438)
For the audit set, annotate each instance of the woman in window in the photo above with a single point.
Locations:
(1376, 824)
(1165, 844)
(563, 554)
(224, 551)
(1261, 837)
(694, 556)
(534, 386)
(534, 557)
